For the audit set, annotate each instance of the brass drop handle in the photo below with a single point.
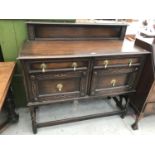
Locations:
(43, 66)
(74, 65)
(130, 62)
(113, 82)
(59, 86)
(106, 62)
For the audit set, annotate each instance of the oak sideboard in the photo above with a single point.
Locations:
(80, 61)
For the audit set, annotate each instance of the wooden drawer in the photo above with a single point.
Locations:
(47, 65)
(58, 86)
(114, 81)
(112, 61)
(117, 70)
(151, 97)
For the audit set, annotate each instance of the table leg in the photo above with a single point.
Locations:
(33, 119)
(10, 106)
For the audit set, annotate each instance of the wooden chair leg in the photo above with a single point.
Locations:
(125, 108)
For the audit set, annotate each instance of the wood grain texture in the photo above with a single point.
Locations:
(6, 74)
(125, 80)
(57, 31)
(118, 61)
(71, 49)
(75, 31)
(44, 86)
(36, 65)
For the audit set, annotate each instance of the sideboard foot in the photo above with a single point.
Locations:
(33, 119)
(134, 126)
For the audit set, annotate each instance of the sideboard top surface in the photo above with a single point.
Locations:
(68, 49)
(104, 23)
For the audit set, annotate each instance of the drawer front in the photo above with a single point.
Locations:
(47, 65)
(113, 81)
(151, 97)
(58, 86)
(114, 61)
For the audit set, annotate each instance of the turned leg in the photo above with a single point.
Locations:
(108, 97)
(33, 119)
(125, 97)
(125, 108)
(10, 107)
(118, 101)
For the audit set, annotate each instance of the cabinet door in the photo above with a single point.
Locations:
(58, 85)
(114, 81)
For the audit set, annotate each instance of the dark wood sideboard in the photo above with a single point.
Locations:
(74, 61)
(144, 104)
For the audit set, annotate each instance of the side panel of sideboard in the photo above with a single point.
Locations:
(143, 100)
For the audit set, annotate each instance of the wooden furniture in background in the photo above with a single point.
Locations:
(145, 96)
(70, 61)
(6, 96)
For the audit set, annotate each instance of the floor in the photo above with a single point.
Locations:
(112, 125)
